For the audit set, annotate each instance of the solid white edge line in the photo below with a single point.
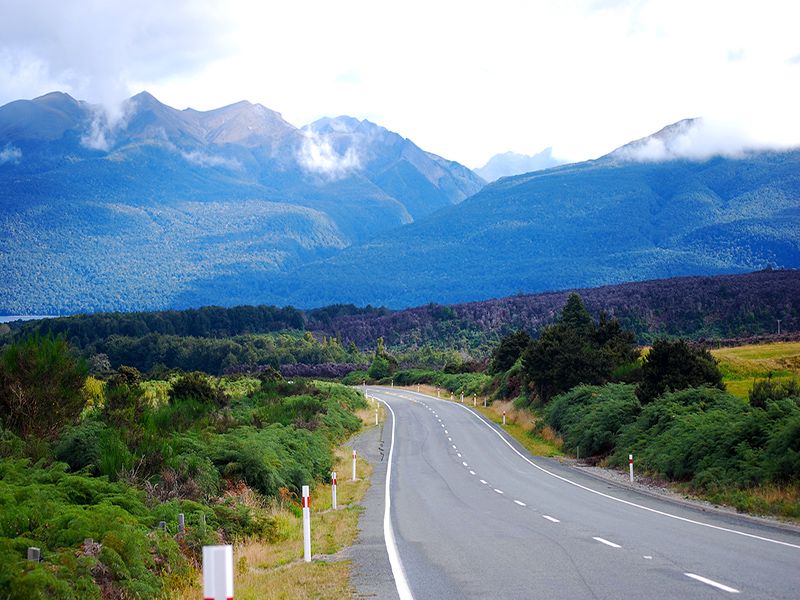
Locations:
(606, 542)
(620, 500)
(713, 583)
(399, 574)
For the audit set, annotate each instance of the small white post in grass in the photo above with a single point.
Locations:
(34, 554)
(630, 465)
(354, 464)
(218, 572)
(437, 393)
(451, 396)
(333, 490)
(484, 402)
(306, 525)
(462, 397)
(474, 400)
(181, 523)
(376, 416)
(504, 417)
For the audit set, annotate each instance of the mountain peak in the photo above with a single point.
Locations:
(672, 141)
(511, 163)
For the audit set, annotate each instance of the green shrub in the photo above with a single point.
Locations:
(40, 386)
(590, 418)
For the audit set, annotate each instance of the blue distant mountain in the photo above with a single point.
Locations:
(623, 217)
(134, 212)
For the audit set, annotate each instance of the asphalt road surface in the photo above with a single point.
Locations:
(473, 515)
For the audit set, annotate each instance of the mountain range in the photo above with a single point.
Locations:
(163, 208)
(101, 213)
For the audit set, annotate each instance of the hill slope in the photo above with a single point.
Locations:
(132, 213)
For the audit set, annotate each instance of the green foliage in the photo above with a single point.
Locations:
(766, 390)
(575, 350)
(508, 351)
(40, 386)
(714, 440)
(383, 364)
(196, 386)
(380, 368)
(590, 418)
(466, 383)
(675, 365)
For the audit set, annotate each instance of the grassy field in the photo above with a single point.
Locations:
(742, 365)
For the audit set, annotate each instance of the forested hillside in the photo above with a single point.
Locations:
(214, 339)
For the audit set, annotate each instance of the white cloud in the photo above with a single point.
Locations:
(471, 79)
(202, 159)
(317, 155)
(10, 154)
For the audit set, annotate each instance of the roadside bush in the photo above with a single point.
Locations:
(673, 365)
(714, 440)
(40, 386)
(591, 417)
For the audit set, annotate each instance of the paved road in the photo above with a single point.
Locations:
(475, 516)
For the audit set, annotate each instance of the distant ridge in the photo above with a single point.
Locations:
(511, 163)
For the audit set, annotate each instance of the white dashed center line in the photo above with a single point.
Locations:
(552, 519)
(520, 503)
(713, 583)
(484, 482)
(607, 543)
(498, 491)
(472, 472)
(465, 464)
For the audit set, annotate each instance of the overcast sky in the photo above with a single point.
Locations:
(464, 79)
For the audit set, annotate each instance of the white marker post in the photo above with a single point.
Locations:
(451, 396)
(333, 490)
(437, 393)
(376, 416)
(504, 417)
(484, 402)
(306, 525)
(462, 397)
(218, 572)
(354, 464)
(630, 465)
(418, 388)
(474, 400)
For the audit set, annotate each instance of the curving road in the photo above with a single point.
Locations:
(473, 515)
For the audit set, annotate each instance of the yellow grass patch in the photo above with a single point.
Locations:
(742, 365)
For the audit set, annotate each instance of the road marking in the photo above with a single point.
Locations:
(465, 464)
(459, 454)
(454, 446)
(498, 491)
(646, 557)
(607, 543)
(483, 481)
(442, 425)
(520, 503)
(399, 574)
(620, 500)
(445, 431)
(449, 439)
(551, 519)
(472, 472)
(713, 583)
